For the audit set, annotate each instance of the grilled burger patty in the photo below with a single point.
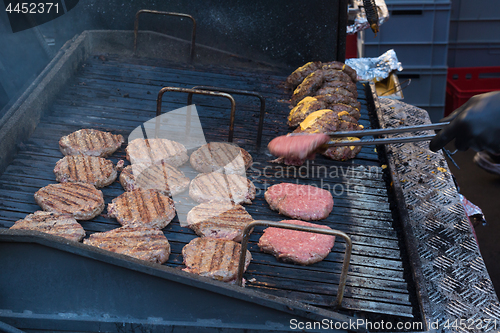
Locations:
(153, 151)
(86, 169)
(216, 219)
(145, 208)
(221, 157)
(303, 202)
(299, 247)
(217, 186)
(81, 200)
(57, 224)
(215, 258)
(90, 142)
(139, 242)
(301, 73)
(162, 177)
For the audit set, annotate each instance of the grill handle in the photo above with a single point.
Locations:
(239, 92)
(199, 92)
(345, 263)
(148, 11)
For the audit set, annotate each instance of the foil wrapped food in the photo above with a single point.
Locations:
(360, 19)
(375, 69)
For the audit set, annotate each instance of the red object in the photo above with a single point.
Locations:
(463, 83)
(351, 46)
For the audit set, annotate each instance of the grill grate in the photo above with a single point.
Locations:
(118, 95)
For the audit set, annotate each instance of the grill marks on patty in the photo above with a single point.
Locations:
(81, 200)
(215, 258)
(152, 151)
(90, 142)
(221, 187)
(140, 207)
(86, 169)
(221, 157)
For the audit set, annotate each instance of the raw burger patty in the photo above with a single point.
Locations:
(90, 142)
(216, 219)
(299, 247)
(303, 202)
(145, 208)
(93, 170)
(57, 224)
(152, 151)
(81, 200)
(221, 187)
(215, 258)
(221, 157)
(138, 242)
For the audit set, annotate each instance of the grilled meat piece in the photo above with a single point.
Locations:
(162, 177)
(335, 75)
(221, 157)
(216, 219)
(93, 170)
(339, 99)
(304, 108)
(215, 258)
(341, 84)
(294, 246)
(220, 187)
(57, 224)
(301, 73)
(325, 121)
(337, 65)
(337, 90)
(342, 153)
(153, 151)
(296, 148)
(81, 200)
(142, 208)
(308, 87)
(303, 202)
(90, 142)
(138, 242)
(353, 112)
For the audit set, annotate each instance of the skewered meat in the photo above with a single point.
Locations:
(216, 219)
(304, 108)
(339, 99)
(303, 202)
(144, 208)
(338, 90)
(221, 157)
(296, 148)
(215, 258)
(153, 151)
(308, 87)
(217, 186)
(81, 200)
(93, 170)
(57, 224)
(90, 142)
(343, 153)
(299, 247)
(301, 73)
(162, 177)
(337, 65)
(138, 242)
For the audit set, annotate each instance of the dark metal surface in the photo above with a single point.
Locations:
(147, 11)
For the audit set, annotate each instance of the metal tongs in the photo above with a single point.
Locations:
(376, 132)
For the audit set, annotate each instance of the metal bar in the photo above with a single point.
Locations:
(148, 11)
(345, 263)
(368, 142)
(199, 92)
(239, 92)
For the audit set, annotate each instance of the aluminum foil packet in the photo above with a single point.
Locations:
(360, 20)
(470, 208)
(375, 69)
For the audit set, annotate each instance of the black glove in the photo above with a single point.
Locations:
(476, 125)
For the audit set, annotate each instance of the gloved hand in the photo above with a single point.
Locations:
(476, 125)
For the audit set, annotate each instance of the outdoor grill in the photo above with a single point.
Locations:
(98, 81)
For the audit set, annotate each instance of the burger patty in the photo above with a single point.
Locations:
(216, 186)
(308, 87)
(215, 258)
(303, 202)
(138, 242)
(57, 224)
(153, 151)
(90, 142)
(86, 169)
(294, 246)
(337, 65)
(221, 157)
(301, 73)
(145, 208)
(336, 90)
(162, 177)
(343, 153)
(81, 200)
(216, 219)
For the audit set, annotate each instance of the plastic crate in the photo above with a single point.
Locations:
(472, 54)
(463, 83)
(412, 55)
